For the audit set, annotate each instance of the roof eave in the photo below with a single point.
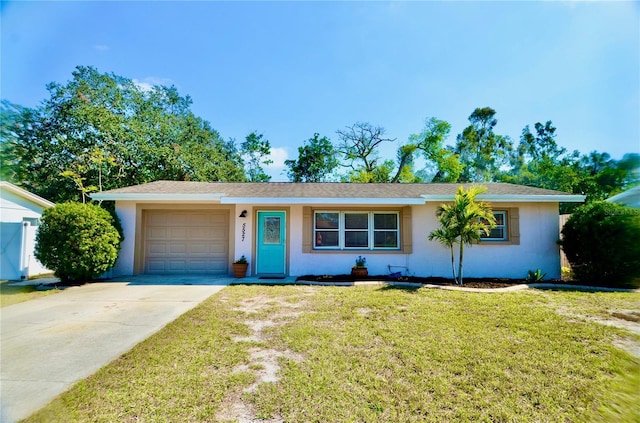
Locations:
(630, 196)
(515, 198)
(321, 200)
(156, 197)
(36, 199)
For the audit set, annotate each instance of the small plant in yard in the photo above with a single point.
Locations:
(78, 241)
(361, 263)
(241, 260)
(536, 276)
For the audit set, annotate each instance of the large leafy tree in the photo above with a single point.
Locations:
(103, 130)
(540, 161)
(15, 125)
(443, 165)
(463, 222)
(539, 146)
(361, 145)
(255, 150)
(482, 152)
(316, 161)
(601, 176)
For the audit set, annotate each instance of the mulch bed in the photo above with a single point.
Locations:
(468, 282)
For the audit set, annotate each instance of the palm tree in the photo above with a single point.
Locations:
(443, 235)
(463, 222)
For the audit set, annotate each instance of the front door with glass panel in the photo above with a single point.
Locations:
(271, 243)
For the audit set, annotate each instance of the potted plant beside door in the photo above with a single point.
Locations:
(240, 267)
(360, 269)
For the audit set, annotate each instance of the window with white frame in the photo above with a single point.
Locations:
(499, 233)
(358, 230)
(327, 230)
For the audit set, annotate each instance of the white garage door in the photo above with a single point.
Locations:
(178, 241)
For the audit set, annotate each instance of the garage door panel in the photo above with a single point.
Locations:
(157, 219)
(178, 219)
(202, 233)
(215, 266)
(156, 248)
(198, 266)
(201, 249)
(186, 242)
(178, 232)
(219, 249)
(177, 266)
(178, 249)
(156, 266)
(201, 220)
(156, 232)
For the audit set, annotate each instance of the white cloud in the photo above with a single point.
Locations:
(276, 169)
(144, 86)
(102, 47)
(147, 84)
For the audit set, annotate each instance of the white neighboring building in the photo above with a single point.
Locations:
(20, 213)
(629, 198)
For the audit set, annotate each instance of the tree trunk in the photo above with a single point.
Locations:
(401, 164)
(460, 263)
(453, 265)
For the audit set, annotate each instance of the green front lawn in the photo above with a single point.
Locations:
(16, 294)
(373, 355)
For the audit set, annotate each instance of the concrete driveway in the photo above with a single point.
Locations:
(48, 344)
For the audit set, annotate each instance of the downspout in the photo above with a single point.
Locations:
(24, 261)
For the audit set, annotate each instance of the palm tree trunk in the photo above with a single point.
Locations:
(460, 263)
(453, 266)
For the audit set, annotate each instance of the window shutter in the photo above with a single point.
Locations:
(407, 240)
(514, 226)
(307, 229)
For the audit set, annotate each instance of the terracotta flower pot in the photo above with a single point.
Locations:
(359, 272)
(240, 269)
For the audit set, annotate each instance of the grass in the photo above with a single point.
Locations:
(16, 294)
(372, 355)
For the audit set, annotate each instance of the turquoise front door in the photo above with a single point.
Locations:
(271, 248)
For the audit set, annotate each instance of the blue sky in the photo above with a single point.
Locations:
(289, 69)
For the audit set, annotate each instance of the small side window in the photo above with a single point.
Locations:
(499, 233)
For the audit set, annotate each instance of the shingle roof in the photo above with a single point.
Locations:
(334, 190)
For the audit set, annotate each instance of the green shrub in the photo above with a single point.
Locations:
(77, 241)
(601, 241)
